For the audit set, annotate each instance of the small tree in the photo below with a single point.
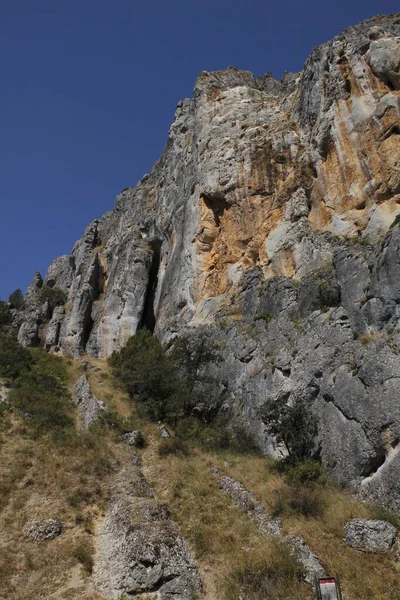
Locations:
(149, 376)
(16, 299)
(191, 353)
(14, 358)
(53, 295)
(293, 424)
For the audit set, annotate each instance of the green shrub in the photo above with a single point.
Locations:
(173, 445)
(395, 222)
(40, 395)
(190, 354)
(16, 299)
(293, 424)
(384, 514)
(328, 294)
(264, 316)
(140, 439)
(50, 364)
(42, 401)
(53, 295)
(307, 502)
(306, 473)
(3, 416)
(5, 315)
(144, 370)
(199, 538)
(164, 385)
(297, 325)
(234, 439)
(219, 437)
(14, 358)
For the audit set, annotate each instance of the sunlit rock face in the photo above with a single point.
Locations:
(252, 167)
(270, 220)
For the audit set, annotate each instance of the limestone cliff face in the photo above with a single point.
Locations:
(270, 196)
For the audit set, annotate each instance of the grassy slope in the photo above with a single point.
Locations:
(221, 536)
(42, 479)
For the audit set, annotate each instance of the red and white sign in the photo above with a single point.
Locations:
(328, 589)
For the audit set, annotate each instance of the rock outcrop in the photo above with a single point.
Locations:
(272, 220)
(89, 407)
(141, 552)
(269, 525)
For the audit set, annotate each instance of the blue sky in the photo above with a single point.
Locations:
(88, 91)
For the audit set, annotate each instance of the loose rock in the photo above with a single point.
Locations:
(370, 534)
(38, 531)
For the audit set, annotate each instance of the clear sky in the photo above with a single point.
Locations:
(88, 90)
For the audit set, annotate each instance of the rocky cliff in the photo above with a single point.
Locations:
(272, 199)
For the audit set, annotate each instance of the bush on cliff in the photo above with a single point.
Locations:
(53, 295)
(164, 385)
(144, 370)
(5, 315)
(191, 354)
(14, 358)
(294, 425)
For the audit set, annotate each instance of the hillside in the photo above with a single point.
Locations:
(78, 477)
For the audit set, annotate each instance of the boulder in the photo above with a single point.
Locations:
(163, 431)
(370, 534)
(134, 438)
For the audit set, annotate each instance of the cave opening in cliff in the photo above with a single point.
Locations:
(149, 318)
(87, 329)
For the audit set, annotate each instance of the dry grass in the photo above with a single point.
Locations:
(73, 481)
(103, 387)
(225, 542)
(46, 481)
(363, 575)
(40, 479)
(229, 550)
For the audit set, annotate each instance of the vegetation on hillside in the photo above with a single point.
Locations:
(5, 315)
(53, 295)
(50, 467)
(163, 384)
(38, 387)
(14, 358)
(294, 425)
(16, 299)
